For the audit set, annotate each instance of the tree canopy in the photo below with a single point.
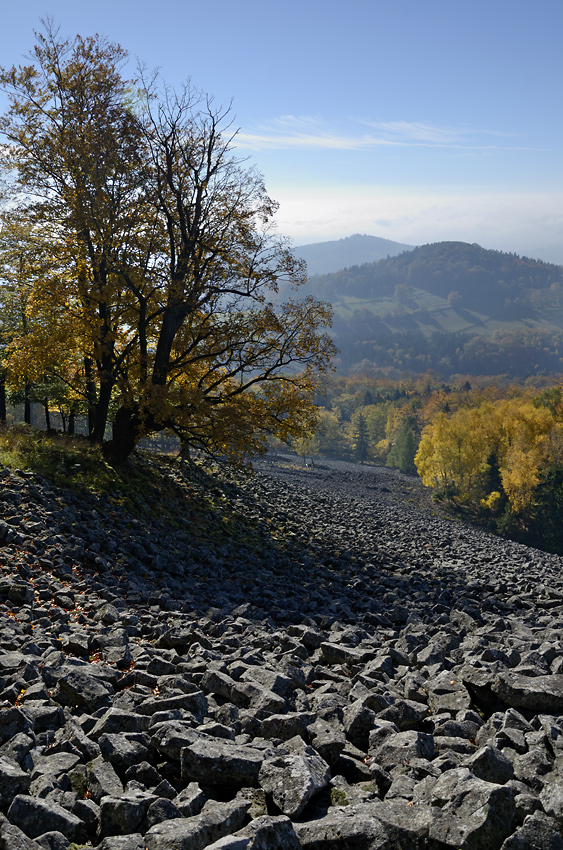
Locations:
(156, 259)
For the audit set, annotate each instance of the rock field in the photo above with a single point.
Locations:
(306, 658)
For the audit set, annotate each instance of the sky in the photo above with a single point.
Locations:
(417, 122)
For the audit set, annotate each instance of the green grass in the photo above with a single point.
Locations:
(72, 463)
(149, 487)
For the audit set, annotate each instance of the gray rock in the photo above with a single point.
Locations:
(53, 841)
(123, 842)
(533, 693)
(538, 832)
(490, 764)
(124, 815)
(191, 800)
(35, 816)
(124, 750)
(12, 838)
(292, 780)
(103, 780)
(351, 826)
(215, 761)
(217, 820)
(470, 813)
(115, 721)
(263, 833)
(401, 748)
(13, 781)
(78, 688)
(552, 799)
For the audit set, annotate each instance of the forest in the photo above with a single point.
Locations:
(490, 450)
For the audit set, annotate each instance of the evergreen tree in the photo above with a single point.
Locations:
(360, 438)
(403, 452)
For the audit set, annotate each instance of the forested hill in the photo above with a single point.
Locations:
(437, 299)
(485, 280)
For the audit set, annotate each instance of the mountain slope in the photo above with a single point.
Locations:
(446, 289)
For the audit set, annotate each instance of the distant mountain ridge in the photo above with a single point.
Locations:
(326, 257)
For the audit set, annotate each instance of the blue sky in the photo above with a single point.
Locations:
(414, 121)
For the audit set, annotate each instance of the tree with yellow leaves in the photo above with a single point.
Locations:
(456, 452)
(162, 258)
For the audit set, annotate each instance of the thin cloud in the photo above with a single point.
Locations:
(417, 131)
(305, 132)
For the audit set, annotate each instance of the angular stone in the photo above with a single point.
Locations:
(278, 683)
(405, 714)
(54, 765)
(196, 703)
(286, 726)
(534, 693)
(291, 780)
(124, 750)
(43, 715)
(123, 842)
(401, 748)
(490, 764)
(533, 767)
(17, 748)
(191, 800)
(78, 688)
(328, 740)
(358, 722)
(161, 810)
(336, 653)
(13, 781)
(170, 737)
(263, 833)
(552, 799)
(538, 832)
(350, 826)
(14, 721)
(116, 721)
(35, 816)
(216, 761)
(103, 781)
(53, 841)
(124, 815)
(215, 821)
(473, 814)
(13, 838)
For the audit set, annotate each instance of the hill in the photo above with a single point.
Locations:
(326, 257)
(498, 311)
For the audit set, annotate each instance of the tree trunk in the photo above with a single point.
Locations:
(126, 435)
(71, 418)
(47, 415)
(98, 430)
(27, 405)
(91, 394)
(3, 400)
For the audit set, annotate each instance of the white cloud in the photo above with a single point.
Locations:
(522, 223)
